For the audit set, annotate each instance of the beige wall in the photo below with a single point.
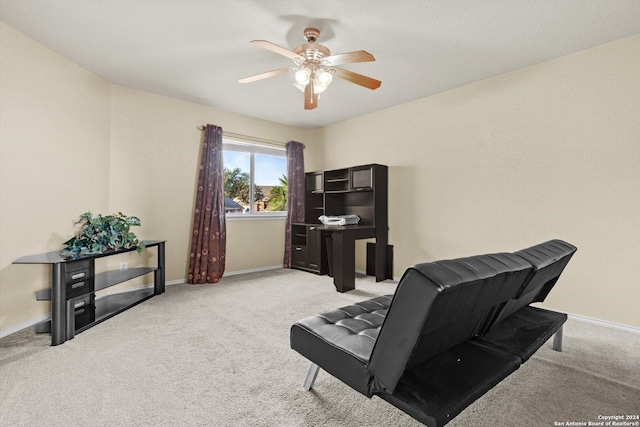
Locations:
(155, 146)
(54, 162)
(71, 142)
(551, 151)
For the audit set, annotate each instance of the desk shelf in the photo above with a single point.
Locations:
(360, 190)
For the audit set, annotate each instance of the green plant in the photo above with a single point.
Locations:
(278, 196)
(98, 234)
(236, 186)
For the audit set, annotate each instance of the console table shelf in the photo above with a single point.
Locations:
(75, 306)
(111, 305)
(115, 277)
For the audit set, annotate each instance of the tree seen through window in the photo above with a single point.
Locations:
(267, 191)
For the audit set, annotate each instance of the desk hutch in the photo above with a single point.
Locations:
(321, 249)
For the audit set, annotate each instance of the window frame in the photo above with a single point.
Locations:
(253, 148)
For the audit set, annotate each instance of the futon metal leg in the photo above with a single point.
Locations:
(557, 339)
(311, 376)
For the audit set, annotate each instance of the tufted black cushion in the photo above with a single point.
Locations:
(353, 328)
(341, 340)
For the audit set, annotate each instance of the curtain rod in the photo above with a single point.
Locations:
(250, 138)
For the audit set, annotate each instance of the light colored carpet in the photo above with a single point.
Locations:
(218, 355)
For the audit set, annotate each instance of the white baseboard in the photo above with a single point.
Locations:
(25, 325)
(235, 273)
(364, 273)
(578, 317)
(47, 317)
(606, 323)
(253, 270)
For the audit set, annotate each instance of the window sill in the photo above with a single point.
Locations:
(257, 217)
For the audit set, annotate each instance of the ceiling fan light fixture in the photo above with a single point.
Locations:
(323, 77)
(302, 76)
(322, 80)
(315, 66)
(318, 89)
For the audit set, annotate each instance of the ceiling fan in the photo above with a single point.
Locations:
(315, 67)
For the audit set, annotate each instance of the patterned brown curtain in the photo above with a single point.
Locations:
(295, 194)
(209, 238)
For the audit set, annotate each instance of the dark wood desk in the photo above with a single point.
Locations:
(358, 190)
(341, 245)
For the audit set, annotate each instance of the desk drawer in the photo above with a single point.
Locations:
(299, 256)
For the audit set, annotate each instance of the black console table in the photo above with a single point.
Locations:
(74, 307)
(360, 190)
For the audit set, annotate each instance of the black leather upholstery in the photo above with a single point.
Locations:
(524, 332)
(442, 387)
(343, 339)
(452, 330)
(444, 304)
(521, 329)
(549, 260)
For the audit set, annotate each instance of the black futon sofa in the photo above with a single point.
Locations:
(452, 331)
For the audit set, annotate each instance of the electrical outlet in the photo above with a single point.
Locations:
(124, 266)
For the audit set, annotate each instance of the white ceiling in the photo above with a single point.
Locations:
(197, 50)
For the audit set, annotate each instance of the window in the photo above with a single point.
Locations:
(255, 179)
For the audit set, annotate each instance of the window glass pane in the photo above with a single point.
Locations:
(237, 171)
(271, 183)
(261, 193)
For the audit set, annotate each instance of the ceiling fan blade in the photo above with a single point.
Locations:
(265, 75)
(277, 49)
(356, 78)
(310, 98)
(349, 58)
